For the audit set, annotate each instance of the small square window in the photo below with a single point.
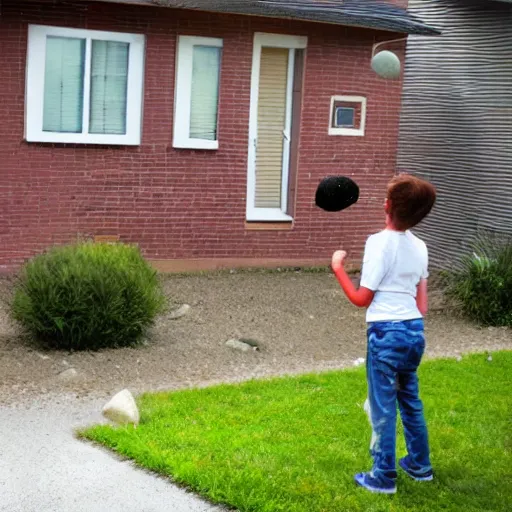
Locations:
(348, 115)
(345, 117)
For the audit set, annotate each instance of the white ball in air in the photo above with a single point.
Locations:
(386, 64)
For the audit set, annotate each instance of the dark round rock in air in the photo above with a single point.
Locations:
(335, 193)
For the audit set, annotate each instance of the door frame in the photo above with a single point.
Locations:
(291, 43)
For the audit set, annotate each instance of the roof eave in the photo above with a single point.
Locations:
(415, 28)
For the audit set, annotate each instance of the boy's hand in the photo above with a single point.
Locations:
(363, 296)
(338, 259)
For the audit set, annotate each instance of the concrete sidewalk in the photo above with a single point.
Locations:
(43, 468)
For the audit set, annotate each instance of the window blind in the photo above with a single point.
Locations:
(205, 92)
(64, 84)
(109, 81)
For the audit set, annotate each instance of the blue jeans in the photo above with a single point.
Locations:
(394, 353)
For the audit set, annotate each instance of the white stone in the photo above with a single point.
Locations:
(459, 359)
(180, 312)
(69, 374)
(239, 345)
(368, 412)
(122, 409)
(366, 408)
(359, 361)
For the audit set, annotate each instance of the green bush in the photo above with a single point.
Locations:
(482, 286)
(88, 296)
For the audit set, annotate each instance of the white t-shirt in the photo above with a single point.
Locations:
(394, 263)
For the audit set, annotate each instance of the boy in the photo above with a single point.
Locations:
(394, 289)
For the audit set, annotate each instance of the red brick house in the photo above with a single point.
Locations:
(197, 129)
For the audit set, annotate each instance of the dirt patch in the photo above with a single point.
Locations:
(301, 322)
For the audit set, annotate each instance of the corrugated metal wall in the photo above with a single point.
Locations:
(456, 125)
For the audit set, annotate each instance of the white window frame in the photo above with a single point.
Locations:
(183, 92)
(292, 43)
(34, 92)
(354, 132)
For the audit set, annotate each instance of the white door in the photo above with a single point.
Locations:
(270, 126)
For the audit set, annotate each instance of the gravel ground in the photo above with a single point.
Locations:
(300, 319)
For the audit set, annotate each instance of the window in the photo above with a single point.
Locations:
(345, 117)
(348, 115)
(84, 86)
(197, 93)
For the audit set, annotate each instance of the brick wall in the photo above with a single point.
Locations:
(187, 204)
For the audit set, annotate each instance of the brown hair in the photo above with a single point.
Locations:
(410, 200)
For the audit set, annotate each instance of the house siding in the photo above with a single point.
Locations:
(183, 205)
(456, 125)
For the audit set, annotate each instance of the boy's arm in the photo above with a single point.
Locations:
(422, 297)
(421, 290)
(361, 297)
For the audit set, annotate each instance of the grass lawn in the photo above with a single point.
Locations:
(294, 444)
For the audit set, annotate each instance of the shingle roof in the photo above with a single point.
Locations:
(375, 14)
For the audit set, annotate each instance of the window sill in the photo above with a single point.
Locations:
(78, 139)
(269, 226)
(346, 132)
(209, 145)
(267, 215)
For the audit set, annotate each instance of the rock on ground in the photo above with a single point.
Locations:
(240, 345)
(122, 409)
(69, 375)
(180, 312)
